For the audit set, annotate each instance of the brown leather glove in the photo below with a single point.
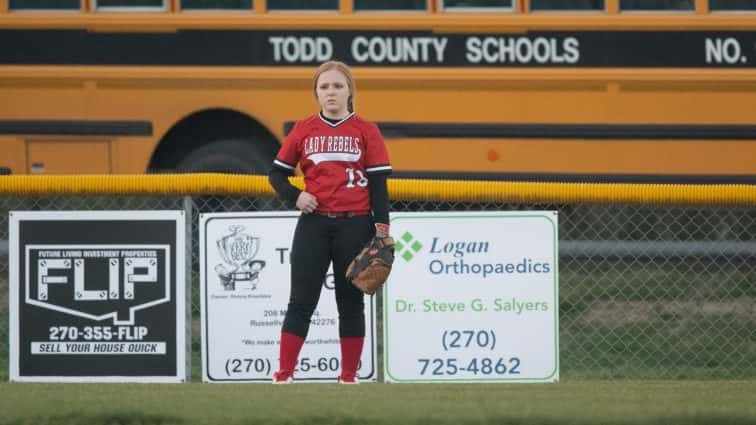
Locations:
(371, 267)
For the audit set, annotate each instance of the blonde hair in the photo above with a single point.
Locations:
(344, 70)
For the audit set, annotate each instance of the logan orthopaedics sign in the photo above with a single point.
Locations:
(97, 296)
(473, 297)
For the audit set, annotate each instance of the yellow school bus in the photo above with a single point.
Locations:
(589, 90)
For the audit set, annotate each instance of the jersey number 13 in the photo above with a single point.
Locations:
(362, 181)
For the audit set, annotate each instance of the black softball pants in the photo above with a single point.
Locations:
(318, 241)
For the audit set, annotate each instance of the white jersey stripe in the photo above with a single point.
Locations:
(378, 168)
(317, 158)
(283, 164)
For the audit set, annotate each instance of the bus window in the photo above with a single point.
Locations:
(389, 5)
(473, 5)
(749, 5)
(303, 4)
(216, 4)
(566, 4)
(44, 4)
(644, 5)
(130, 5)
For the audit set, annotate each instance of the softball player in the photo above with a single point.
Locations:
(344, 204)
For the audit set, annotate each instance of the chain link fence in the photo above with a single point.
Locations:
(645, 291)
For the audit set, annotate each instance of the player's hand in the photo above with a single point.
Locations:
(306, 202)
(381, 230)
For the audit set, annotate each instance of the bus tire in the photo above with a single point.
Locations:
(233, 156)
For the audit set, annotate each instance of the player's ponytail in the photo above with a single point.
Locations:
(344, 69)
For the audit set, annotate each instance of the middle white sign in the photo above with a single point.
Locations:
(244, 284)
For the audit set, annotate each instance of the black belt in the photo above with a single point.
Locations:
(341, 214)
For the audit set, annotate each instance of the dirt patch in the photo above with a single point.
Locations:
(616, 313)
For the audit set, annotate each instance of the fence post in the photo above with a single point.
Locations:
(188, 205)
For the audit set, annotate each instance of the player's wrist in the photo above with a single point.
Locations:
(381, 230)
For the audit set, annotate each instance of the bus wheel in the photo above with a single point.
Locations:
(226, 156)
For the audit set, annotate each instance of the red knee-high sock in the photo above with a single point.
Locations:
(351, 351)
(290, 346)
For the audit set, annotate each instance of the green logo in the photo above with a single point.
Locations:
(407, 244)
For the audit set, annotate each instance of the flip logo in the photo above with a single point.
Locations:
(98, 282)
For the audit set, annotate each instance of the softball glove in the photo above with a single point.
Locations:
(371, 267)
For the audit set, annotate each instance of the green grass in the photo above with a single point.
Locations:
(701, 349)
(577, 402)
(582, 283)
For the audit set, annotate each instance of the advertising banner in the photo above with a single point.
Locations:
(97, 296)
(473, 297)
(245, 282)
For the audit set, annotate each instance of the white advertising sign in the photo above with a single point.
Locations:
(473, 297)
(245, 282)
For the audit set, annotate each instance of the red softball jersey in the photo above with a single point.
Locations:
(336, 159)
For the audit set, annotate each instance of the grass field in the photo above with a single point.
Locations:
(577, 402)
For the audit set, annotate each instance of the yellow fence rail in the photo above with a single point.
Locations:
(417, 190)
